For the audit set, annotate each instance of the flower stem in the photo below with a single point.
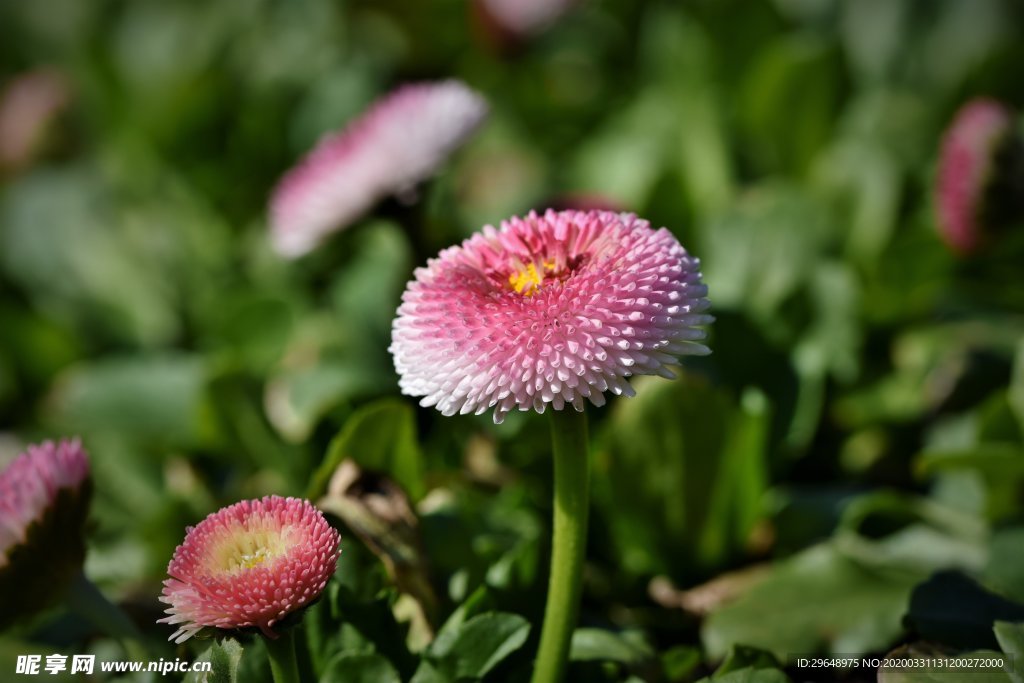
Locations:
(569, 543)
(283, 665)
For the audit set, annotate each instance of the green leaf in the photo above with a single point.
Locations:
(368, 289)
(692, 464)
(1005, 569)
(795, 66)
(744, 657)
(426, 673)
(864, 177)
(680, 662)
(359, 668)
(749, 675)
(952, 609)
(297, 398)
(378, 437)
(251, 326)
(157, 397)
(595, 644)
(479, 602)
(479, 645)
(680, 54)
(1015, 393)
(993, 459)
(758, 253)
(624, 159)
(61, 239)
(893, 531)
(814, 601)
(365, 626)
(224, 656)
(1011, 640)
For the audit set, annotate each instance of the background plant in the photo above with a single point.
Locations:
(848, 462)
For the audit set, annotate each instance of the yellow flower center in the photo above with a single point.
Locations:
(528, 279)
(248, 548)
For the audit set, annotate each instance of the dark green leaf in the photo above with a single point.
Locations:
(479, 644)
(594, 644)
(817, 600)
(952, 609)
(691, 463)
(359, 668)
(743, 657)
(380, 437)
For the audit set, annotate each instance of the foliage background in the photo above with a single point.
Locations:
(857, 429)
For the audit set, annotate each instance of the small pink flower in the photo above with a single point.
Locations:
(966, 167)
(30, 486)
(44, 504)
(28, 106)
(550, 309)
(249, 565)
(401, 141)
(521, 18)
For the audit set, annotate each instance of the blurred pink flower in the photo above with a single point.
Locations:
(28, 106)
(402, 140)
(549, 309)
(44, 504)
(30, 486)
(521, 18)
(249, 564)
(966, 167)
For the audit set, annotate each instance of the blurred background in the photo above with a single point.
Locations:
(841, 475)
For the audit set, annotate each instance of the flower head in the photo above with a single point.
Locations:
(550, 309)
(967, 168)
(44, 500)
(399, 142)
(249, 565)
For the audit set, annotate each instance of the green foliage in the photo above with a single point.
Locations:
(831, 603)
(683, 480)
(224, 657)
(359, 668)
(380, 437)
(855, 440)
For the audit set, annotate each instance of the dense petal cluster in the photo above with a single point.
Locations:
(548, 309)
(44, 504)
(30, 485)
(249, 565)
(399, 142)
(966, 166)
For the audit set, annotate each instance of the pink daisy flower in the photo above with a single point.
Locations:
(249, 564)
(966, 168)
(399, 142)
(550, 309)
(44, 501)
(30, 486)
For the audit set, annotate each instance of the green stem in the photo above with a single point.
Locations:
(569, 543)
(86, 600)
(283, 664)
